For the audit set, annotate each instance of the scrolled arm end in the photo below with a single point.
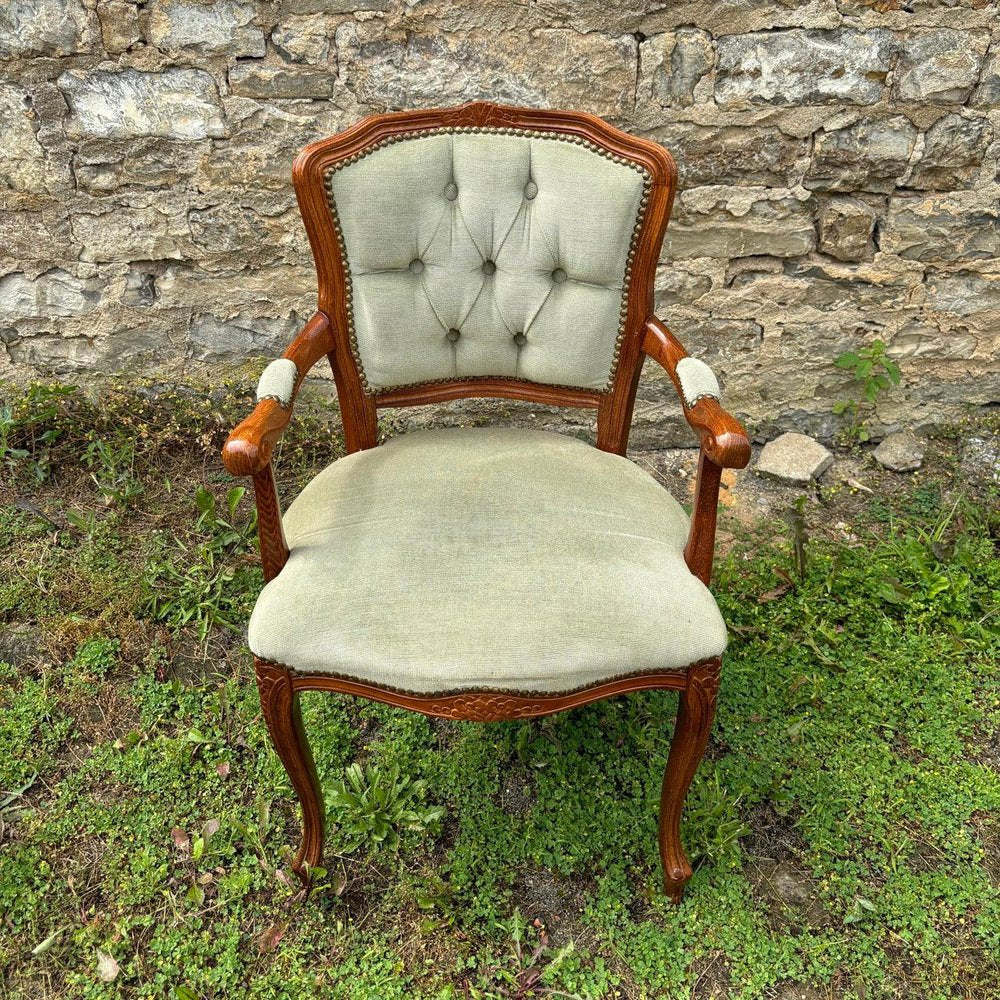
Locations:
(723, 438)
(248, 449)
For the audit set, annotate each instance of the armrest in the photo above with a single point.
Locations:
(723, 439)
(248, 449)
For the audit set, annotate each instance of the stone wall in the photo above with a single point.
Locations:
(838, 164)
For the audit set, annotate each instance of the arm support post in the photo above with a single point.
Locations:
(724, 445)
(247, 451)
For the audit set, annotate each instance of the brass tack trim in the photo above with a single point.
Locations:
(459, 691)
(285, 404)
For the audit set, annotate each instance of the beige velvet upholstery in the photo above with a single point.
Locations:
(697, 380)
(486, 254)
(479, 558)
(278, 381)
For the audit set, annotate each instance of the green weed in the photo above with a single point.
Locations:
(198, 584)
(374, 806)
(872, 371)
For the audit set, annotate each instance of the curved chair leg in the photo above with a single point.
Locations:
(694, 720)
(279, 703)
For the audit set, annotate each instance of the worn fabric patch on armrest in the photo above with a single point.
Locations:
(278, 381)
(697, 380)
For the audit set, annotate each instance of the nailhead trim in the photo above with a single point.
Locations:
(495, 130)
(699, 397)
(460, 691)
(281, 402)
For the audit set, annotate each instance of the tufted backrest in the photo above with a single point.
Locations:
(496, 253)
(486, 250)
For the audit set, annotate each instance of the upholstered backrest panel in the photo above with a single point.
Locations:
(481, 252)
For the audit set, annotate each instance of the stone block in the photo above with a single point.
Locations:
(939, 65)
(792, 68)
(224, 26)
(920, 340)
(869, 288)
(591, 71)
(846, 226)
(732, 154)
(227, 228)
(260, 153)
(253, 79)
(333, 6)
(52, 293)
(675, 286)
(54, 353)
(954, 149)
(716, 221)
(870, 155)
(23, 164)
(130, 103)
(140, 288)
(120, 28)
(964, 293)
(275, 288)
(303, 39)
(987, 94)
(102, 165)
(942, 227)
(126, 234)
(35, 236)
(212, 338)
(672, 65)
(736, 17)
(41, 28)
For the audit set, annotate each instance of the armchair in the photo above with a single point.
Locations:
(486, 573)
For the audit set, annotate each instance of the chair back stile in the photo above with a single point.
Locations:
(485, 251)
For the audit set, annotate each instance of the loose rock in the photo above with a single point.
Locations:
(900, 452)
(794, 458)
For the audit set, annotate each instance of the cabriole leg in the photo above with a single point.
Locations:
(694, 720)
(279, 703)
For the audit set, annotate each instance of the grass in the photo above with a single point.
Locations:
(844, 824)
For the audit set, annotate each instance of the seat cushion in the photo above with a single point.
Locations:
(485, 558)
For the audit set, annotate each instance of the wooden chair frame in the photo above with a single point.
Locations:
(724, 444)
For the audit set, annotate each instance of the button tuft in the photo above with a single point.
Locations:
(558, 275)
(453, 335)
(416, 267)
(489, 267)
(520, 339)
(451, 191)
(530, 190)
